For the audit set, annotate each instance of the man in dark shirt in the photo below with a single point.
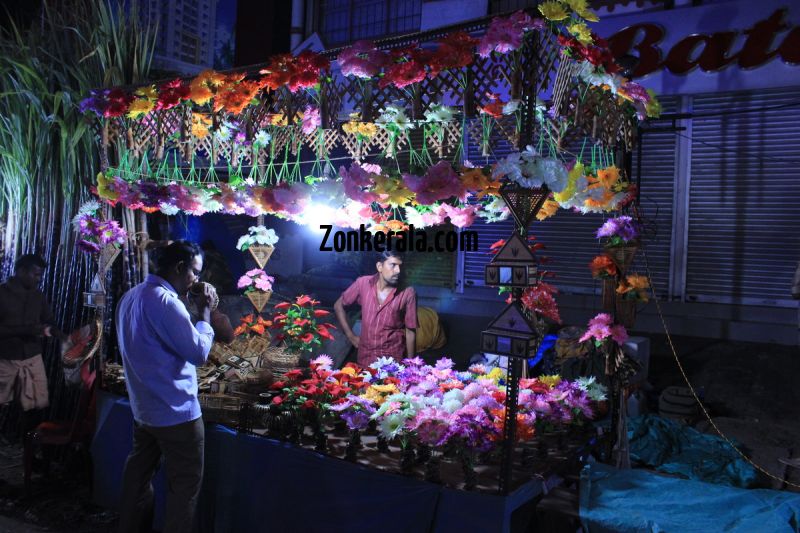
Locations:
(25, 319)
(388, 312)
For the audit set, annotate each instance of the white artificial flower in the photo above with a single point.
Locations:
(89, 207)
(511, 107)
(439, 113)
(508, 166)
(168, 209)
(554, 173)
(223, 133)
(262, 139)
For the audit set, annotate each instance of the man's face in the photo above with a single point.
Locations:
(30, 277)
(389, 270)
(188, 274)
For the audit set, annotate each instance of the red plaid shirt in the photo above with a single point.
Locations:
(382, 325)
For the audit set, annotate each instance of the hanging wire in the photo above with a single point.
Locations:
(692, 389)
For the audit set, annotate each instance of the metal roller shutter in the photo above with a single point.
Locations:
(744, 204)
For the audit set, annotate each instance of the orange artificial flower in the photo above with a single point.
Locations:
(608, 177)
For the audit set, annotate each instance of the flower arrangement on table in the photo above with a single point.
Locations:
(94, 233)
(297, 323)
(435, 407)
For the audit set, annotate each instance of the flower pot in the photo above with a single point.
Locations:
(280, 360)
(261, 253)
(353, 445)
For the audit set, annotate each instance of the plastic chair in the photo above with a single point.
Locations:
(79, 430)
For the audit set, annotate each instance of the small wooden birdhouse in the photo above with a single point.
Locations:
(511, 334)
(513, 266)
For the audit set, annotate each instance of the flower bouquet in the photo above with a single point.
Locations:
(622, 240)
(257, 287)
(260, 242)
(396, 123)
(297, 322)
(98, 237)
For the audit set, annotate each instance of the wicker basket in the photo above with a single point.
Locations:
(280, 360)
(626, 312)
(609, 294)
(622, 255)
(261, 253)
(259, 299)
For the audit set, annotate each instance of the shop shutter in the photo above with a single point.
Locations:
(744, 204)
(659, 156)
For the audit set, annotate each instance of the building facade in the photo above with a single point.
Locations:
(186, 36)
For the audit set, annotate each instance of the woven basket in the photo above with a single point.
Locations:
(625, 312)
(280, 360)
(261, 253)
(609, 294)
(622, 255)
(259, 299)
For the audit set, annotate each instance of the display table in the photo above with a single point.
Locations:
(253, 483)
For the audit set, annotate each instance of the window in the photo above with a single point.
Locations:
(344, 21)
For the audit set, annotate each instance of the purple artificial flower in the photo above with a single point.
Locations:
(622, 228)
(439, 183)
(88, 247)
(356, 420)
(444, 363)
(355, 181)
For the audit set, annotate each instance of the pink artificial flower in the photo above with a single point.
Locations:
(264, 283)
(362, 60)
(505, 34)
(439, 183)
(460, 217)
(244, 281)
(619, 334)
(357, 181)
(311, 120)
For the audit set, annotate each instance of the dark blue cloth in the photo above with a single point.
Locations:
(256, 484)
(634, 501)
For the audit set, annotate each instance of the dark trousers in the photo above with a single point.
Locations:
(182, 448)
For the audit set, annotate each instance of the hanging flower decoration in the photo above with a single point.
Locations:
(311, 120)
(255, 280)
(439, 183)
(93, 232)
(603, 267)
(634, 287)
(531, 171)
(619, 231)
(454, 51)
(257, 235)
(297, 323)
(407, 66)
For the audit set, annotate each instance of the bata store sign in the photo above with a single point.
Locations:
(727, 46)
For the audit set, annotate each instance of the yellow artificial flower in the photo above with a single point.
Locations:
(548, 209)
(581, 32)
(367, 129)
(572, 183)
(139, 107)
(348, 370)
(496, 374)
(608, 177)
(581, 8)
(474, 179)
(550, 381)
(200, 94)
(553, 11)
(653, 107)
(279, 119)
(392, 191)
(200, 124)
(147, 92)
(638, 281)
(350, 128)
(103, 190)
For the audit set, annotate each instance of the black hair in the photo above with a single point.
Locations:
(28, 261)
(177, 252)
(388, 254)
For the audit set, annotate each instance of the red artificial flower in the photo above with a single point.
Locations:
(303, 300)
(321, 312)
(283, 305)
(294, 374)
(301, 321)
(455, 50)
(277, 400)
(403, 74)
(307, 338)
(324, 333)
(278, 385)
(309, 404)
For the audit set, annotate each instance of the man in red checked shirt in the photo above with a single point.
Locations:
(388, 312)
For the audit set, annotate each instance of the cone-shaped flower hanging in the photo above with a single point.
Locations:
(622, 255)
(523, 203)
(259, 298)
(261, 253)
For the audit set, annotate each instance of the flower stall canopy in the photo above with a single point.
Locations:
(266, 141)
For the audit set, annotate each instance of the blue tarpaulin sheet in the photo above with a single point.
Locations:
(635, 501)
(672, 448)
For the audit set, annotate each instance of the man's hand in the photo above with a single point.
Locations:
(354, 340)
(203, 298)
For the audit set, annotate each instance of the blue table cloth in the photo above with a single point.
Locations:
(256, 484)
